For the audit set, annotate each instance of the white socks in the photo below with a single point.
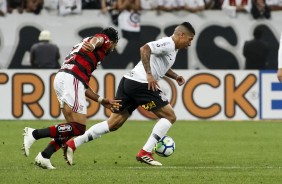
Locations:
(92, 133)
(160, 129)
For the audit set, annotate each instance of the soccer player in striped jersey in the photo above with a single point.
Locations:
(71, 85)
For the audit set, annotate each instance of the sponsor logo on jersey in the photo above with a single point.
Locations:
(64, 128)
(163, 44)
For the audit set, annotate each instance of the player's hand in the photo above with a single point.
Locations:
(279, 74)
(152, 83)
(88, 47)
(113, 105)
(180, 80)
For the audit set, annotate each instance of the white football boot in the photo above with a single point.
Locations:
(68, 154)
(28, 140)
(43, 162)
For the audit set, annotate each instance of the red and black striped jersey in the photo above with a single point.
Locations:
(81, 63)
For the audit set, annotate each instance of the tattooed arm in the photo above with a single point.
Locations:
(145, 53)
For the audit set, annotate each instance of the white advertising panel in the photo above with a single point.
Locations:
(271, 96)
(207, 94)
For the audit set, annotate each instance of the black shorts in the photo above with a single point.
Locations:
(133, 94)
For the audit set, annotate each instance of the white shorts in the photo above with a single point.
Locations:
(71, 91)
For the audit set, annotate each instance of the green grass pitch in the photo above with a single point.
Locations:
(224, 152)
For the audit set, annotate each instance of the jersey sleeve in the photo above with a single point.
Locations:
(161, 46)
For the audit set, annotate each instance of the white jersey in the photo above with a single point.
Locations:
(163, 54)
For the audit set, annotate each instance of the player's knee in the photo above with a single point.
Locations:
(112, 129)
(116, 121)
(171, 117)
(115, 125)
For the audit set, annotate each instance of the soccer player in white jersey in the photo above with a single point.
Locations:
(140, 88)
(279, 71)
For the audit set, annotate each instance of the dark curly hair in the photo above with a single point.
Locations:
(112, 33)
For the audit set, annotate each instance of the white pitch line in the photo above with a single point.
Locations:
(208, 167)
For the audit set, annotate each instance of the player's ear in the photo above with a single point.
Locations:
(113, 43)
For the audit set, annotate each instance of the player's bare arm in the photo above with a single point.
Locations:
(279, 71)
(279, 74)
(179, 79)
(171, 74)
(145, 58)
(95, 42)
(113, 105)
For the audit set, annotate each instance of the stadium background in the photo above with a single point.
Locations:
(217, 45)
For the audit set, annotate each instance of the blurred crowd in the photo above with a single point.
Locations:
(258, 8)
(125, 14)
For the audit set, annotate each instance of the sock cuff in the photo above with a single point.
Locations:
(99, 128)
(105, 125)
(161, 127)
(165, 122)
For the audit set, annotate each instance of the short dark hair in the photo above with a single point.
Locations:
(112, 33)
(189, 27)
